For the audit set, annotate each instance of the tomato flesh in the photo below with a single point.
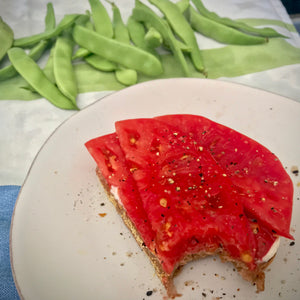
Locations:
(263, 184)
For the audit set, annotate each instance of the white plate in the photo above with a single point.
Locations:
(62, 249)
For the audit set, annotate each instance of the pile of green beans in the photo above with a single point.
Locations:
(109, 44)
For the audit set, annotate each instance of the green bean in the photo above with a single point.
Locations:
(82, 52)
(101, 19)
(183, 5)
(35, 53)
(35, 77)
(49, 68)
(127, 55)
(121, 34)
(180, 44)
(143, 13)
(264, 32)
(101, 63)
(6, 38)
(103, 26)
(220, 32)
(137, 32)
(82, 20)
(63, 69)
(153, 38)
(65, 23)
(182, 28)
(50, 21)
(126, 76)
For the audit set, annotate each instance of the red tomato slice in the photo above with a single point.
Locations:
(188, 198)
(263, 184)
(111, 162)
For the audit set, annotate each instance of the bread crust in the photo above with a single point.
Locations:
(256, 277)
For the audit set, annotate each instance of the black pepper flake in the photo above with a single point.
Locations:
(204, 294)
(292, 243)
(102, 204)
(149, 293)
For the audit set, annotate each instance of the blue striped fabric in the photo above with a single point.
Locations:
(8, 196)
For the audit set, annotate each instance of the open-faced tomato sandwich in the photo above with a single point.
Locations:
(188, 187)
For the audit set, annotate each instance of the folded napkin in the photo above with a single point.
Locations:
(8, 196)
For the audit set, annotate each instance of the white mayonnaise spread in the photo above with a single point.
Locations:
(272, 251)
(115, 192)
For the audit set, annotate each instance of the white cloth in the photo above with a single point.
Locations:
(25, 126)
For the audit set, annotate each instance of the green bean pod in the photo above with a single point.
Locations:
(220, 32)
(101, 63)
(126, 55)
(35, 53)
(182, 28)
(137, 32)
(63, 69)
(143, 13)
(264, 32)
(66, 22)
(153, 38)
(121, 34)
(103, 24)
(50, 23)
(50, 20)
(6, 38)
(49, 67)
(126, 76)
(183, 5)
(82, 52)
(36, 78)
